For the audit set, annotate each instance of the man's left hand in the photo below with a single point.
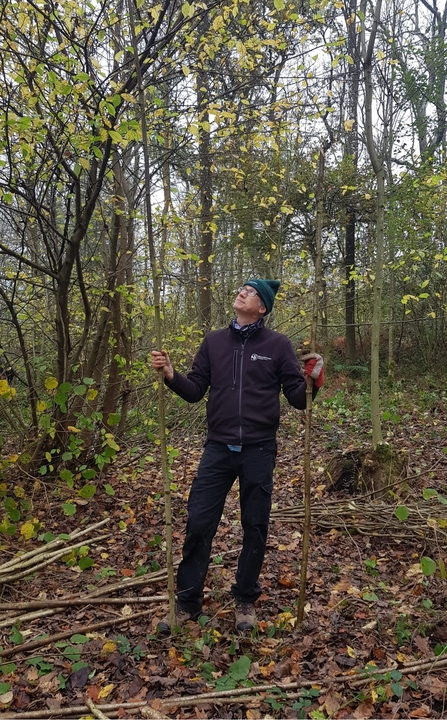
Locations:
(314, 368)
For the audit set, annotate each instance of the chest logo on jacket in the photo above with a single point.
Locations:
(259, 357)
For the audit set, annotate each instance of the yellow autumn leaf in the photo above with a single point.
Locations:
(105, 691)
(13, 458)
(73, 429)
(402, 658)
(28, 529)
(51, 383)
(19, 491)
(92, 393)
(41, 406)
(172, 653)
(351, 652)
(109, 647)
(349, 124)
(266, 670)
(4, 387)
(285, 618)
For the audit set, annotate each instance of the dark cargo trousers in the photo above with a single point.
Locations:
(217, 471)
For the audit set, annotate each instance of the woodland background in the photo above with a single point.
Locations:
(153, 156)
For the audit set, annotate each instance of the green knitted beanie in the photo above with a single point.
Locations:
(266, 290)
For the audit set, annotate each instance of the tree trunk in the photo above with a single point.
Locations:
(206, 196)
(377, 163)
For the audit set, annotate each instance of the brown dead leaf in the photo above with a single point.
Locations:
(422, 644)
(332, 702)
(200, 713)
(422, 711)
(253, 714)
(32, 675)
(287, 580)
(364, 711)
(93, 692)
(435, 686)
(49, 683)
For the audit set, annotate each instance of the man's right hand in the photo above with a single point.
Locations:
(161, 361)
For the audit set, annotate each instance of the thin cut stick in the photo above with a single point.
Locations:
(95, 709)
(24, 647)
(68, 602)
(54, 543)
(54, 556)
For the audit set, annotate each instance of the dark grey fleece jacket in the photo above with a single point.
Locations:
(245, 379)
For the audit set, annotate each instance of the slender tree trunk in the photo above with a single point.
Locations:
(206, 191)
(352, 152)
(157, 321)
(377, 163)
(308, 430)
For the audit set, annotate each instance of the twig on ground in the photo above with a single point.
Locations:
(42, 642)
(87, 600)
(56, 543)
(31, 567)
(95, 709)
(77, 710)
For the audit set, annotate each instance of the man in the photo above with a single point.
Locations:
(244, 366)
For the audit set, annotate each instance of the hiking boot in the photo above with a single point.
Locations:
(245, 616)
(181, 617)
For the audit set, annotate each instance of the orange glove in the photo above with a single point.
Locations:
(314, 368)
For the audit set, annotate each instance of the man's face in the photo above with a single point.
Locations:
(248, 302)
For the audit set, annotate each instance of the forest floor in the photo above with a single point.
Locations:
(374, 640)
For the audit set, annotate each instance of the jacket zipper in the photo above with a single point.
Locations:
(240, 389)
(234, 369)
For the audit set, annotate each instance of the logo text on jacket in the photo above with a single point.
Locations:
(259, 357)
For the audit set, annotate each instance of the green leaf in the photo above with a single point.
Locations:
(78, 665)
(66, 475)
(428, 566)
(72, 653)
(370, 596)
(16, 636)
(78, 639)
(87, 491)
(279, 4)
(8, 668)
(4, 687)
(401, 512)
(85, 563)
(397, 689)
(69, 508)
(89, 474)
(80, 389)
(109, 489)
(65, 387)
(429, 493)
(239, 669)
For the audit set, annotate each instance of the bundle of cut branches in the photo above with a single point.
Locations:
(423, 520)
(25, 564)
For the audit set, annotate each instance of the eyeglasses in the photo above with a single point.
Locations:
(251, 292)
